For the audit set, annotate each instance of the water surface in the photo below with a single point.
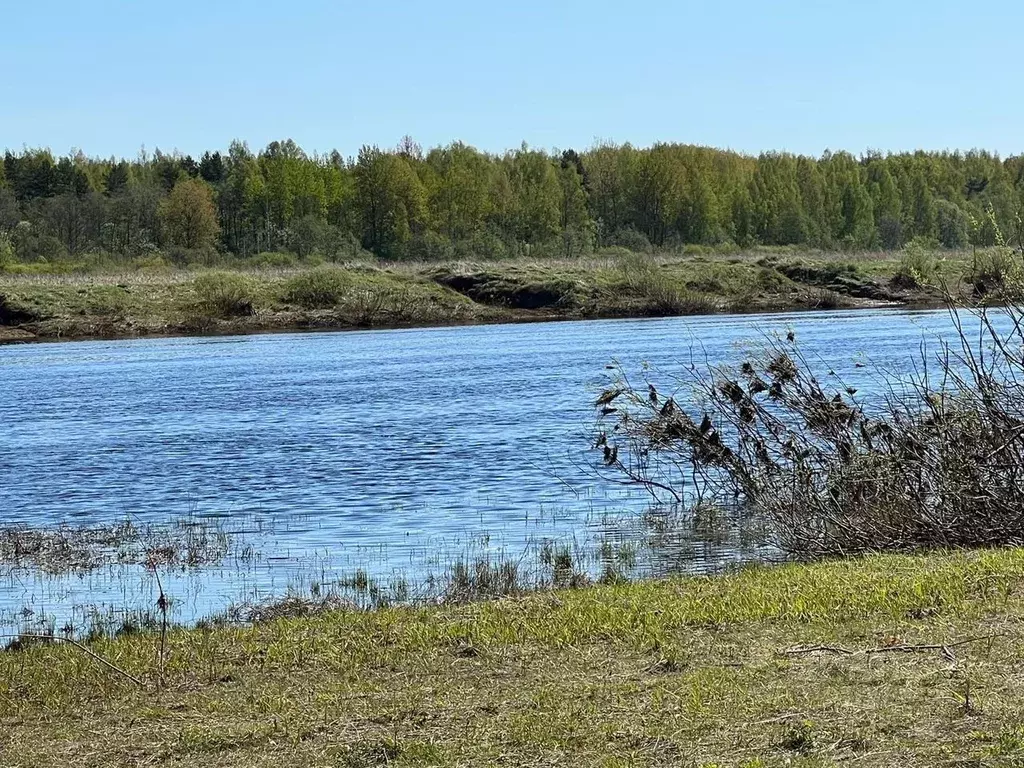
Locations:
(376, 449)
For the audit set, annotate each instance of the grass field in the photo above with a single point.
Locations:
(908, 660)
(116, 302)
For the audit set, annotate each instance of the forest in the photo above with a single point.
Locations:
(457, 202)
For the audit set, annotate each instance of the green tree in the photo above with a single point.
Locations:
(7, 255)
(609, 169)
(952, 224)
(459, 187)
(858, 216)
(212, 168)
(920, 213)
(390, 200)
(71, 177)
(189, 215)
(698, 219)
(239, 228)
(656, 192)
(777, 215)
(575, 223)
(73, 219)
(132, 220)
(32, 175)
(10, 212)
(534, 196)
(117, 178)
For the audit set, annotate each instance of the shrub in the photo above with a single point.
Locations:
(363, 307)
(813, 274)
(274, 260)
(639, 272)
(485, 244)
(225, 294)
(918, 265)
(32, 244)
(154, 263)
(342, 246)
(996, 271)
(631, 239)
(695, 249)
(667, 300)
(890, 233)
(831, 474)
(642, 277)
(7, 257)
(823, 298)
(985, 229)
(614, 252)
(306, 235)
(320, 288)
(576, 241)
(191, 257)
(429, 246)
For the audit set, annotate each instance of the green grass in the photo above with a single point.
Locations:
(127, 304)
(689, 671)
(162, 300)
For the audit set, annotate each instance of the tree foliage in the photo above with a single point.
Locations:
(189, 216)
(456, 200)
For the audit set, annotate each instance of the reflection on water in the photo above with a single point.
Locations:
(393, 453)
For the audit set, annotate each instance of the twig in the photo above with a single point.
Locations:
(815, 649)
(946, 648)
(780, 719)
(556, 476)
(83, 649)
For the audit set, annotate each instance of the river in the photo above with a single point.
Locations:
(388, 451)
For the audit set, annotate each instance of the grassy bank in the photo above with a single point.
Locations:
(922, 668)
(139, 301)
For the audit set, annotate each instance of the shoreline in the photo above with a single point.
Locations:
(882, 660)
(14, 335)
(386, 296)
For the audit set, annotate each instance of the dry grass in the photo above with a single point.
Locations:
(76, 306)
(127, 302)
(680, 672)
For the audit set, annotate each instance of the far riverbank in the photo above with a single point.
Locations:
(136, 303)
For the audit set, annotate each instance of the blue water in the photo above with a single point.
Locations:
(359, 449)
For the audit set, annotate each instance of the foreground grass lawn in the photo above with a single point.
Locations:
(683, 672)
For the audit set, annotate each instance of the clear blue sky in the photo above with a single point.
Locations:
(109, 76)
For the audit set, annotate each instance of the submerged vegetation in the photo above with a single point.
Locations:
(233, 569)
(66, 549)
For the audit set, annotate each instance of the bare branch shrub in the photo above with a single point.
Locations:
(933, 458)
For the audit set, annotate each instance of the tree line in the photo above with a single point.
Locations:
(456, 201)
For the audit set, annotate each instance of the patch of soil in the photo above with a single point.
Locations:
(842, 279)
(14, 314)
(486, 288)
(14, 334)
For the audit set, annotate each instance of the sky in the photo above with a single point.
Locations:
(111, 76)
